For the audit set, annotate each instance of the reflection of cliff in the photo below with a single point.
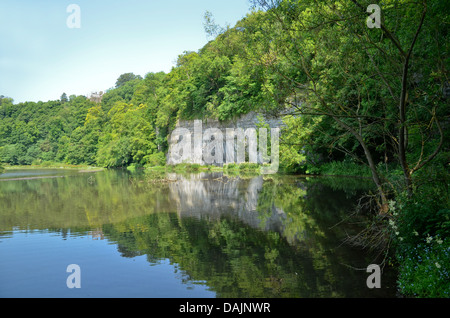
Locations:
(211, 195)
(96, 234)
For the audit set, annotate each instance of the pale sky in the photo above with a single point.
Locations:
(41, 57)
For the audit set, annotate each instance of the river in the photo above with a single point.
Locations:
(147, 234)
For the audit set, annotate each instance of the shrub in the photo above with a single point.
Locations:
(193, 167)
(424, 268)
(187, 167)
(424, 214)
(231, 166)
(421, 231)
(155, 159)
(36, 162)
(47, 164)
(346, 168)
(247, 166)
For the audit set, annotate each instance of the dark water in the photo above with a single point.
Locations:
(199, 235)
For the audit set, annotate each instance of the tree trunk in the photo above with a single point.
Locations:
(402, 110)
(383, 205)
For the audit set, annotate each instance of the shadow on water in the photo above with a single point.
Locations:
(240, 236)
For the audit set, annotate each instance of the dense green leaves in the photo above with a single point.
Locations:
(124, 78)
(36, 132)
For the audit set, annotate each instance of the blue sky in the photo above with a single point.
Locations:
(41, 57)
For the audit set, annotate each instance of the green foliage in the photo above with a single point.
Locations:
(185, 167)
(244, 167)
(248, 166)
(11, 154)
(425, 269)
(231, 166)
(112, 133)
(124, 78)
(64, 98)
(155, 159)
(33, 132)
(420, 226)
(343, 168)
(425, 214)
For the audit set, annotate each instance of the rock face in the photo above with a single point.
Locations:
(240, 126)
(249, 120)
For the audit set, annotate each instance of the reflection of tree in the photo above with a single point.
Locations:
(301, 258)
(72, 202)
(234, 259)
(315, 212)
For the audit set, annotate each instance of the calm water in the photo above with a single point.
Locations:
(199, 235)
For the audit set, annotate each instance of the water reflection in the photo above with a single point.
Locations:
(238, 236)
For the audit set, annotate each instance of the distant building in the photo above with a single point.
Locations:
(96, 97)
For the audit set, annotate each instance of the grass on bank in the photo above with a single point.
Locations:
(51, 165)
(340, 168)
(193, 167)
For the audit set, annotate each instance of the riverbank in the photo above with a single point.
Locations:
(416, 229)
(191, 168)
(54, 166)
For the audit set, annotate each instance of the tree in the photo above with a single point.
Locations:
(126, 77)
(63, 98)
(127, 137)
(336, 67)
(212, 29)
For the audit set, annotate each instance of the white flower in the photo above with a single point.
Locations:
(429, 239)
(415, 233)
(437, 265)
(391, 205)
(439, 241)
